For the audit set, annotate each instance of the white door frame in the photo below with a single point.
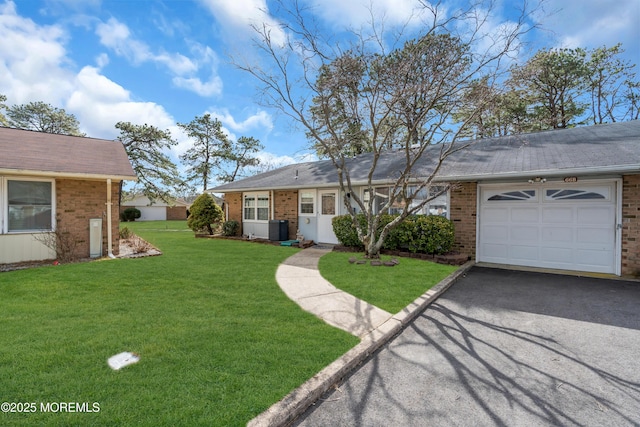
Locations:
(325, 227)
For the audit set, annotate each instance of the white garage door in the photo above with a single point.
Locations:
(551, 225)
(153, 213)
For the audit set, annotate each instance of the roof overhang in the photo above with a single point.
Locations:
(601, 170)
(68, 175)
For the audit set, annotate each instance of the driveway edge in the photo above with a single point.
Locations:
(295, 403)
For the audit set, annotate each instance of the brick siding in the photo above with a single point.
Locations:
(77, 202)
(463, 206)
(631, 225)
(176, 213)
(286, 207)
(233, 209)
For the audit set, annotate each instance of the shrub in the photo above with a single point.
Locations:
(345, 232)
(231, 228)
(427, 234)
(130, 214)
(204, 213)
(432, 234)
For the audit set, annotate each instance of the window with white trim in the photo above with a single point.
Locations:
(439, 205)
(27, 205)
(256, 207)
(307, 202)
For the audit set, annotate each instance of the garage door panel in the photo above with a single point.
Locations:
(555, 225)
(557, 215)
(598, 258)
(562, 256)
(524, 234)
(495, 233)
(495, 251)
(595, 215)
(524, 214)
(524, 253)
(597, 236)
(496, 214)
(558, 235)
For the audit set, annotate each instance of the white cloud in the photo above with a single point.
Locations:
(593, 23)
(194, 84)
(357, 13)
(99, 103)
(116, 36)
(33, 62)
(260, 120)
(239, 16)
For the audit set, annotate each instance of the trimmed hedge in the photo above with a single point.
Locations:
(430, 234)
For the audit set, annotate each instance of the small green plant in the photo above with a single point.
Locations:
(230, 228)
(130, 214)
(205, 215)
(125, 233)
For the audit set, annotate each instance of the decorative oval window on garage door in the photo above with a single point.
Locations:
(590, 194)
(513, 196)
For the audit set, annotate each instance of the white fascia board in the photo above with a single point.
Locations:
(50, 174)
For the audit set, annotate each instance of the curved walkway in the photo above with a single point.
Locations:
(299, 278)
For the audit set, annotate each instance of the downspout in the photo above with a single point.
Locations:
(109, 220)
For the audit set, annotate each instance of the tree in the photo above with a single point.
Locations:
(239, 157)
(204, 213)
(367, 97)
(3, 119)
(211, 146)
(610, 80)
(554, 81)
(42, 117)
(157, 174)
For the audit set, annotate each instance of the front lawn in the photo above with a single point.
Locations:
(218, 341)
(390, 288)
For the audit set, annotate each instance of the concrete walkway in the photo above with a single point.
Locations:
(299, 278)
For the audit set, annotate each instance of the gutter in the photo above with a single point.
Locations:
(70, 175)
(595, 170)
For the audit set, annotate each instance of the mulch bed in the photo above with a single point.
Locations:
(451, 258)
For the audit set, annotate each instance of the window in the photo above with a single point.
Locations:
(29, 205)
(522, 195)
(328, 204)
(307, 202)
(250, 207)
(256, 207)
(576, 194)
(437, 206)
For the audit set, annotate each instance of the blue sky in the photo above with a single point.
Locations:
(163, 62)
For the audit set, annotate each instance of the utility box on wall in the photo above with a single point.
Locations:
(95, 237)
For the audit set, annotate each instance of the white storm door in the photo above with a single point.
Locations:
(328, 209)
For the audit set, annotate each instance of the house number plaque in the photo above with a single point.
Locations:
(570, 179)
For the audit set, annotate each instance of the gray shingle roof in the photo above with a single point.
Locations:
(23, 151)
(608, 148)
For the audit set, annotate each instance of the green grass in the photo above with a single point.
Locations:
(219, 342)
(390, 288)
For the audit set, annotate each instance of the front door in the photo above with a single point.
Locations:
(328, 210)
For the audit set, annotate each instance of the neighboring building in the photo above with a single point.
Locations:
(158, 210)
(57, 182)
(564, 199)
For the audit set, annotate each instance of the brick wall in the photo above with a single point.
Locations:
(78, 201)
(462, 212)
(233, 210)
(176, 212)
(631, 225)
(286, 207)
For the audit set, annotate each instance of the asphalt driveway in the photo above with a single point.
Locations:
(503, 348)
